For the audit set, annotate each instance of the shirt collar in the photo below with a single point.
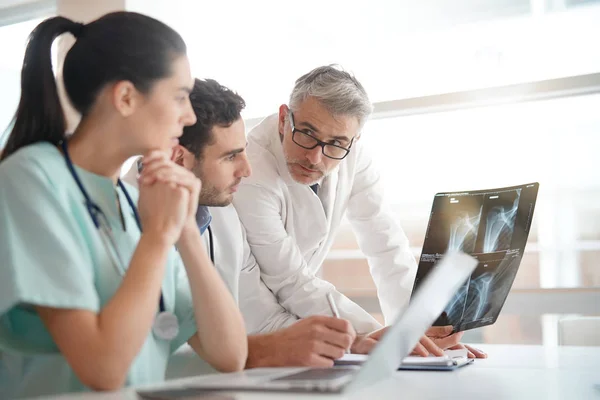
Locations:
(203, 218)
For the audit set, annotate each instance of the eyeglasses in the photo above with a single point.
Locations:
(309, 142)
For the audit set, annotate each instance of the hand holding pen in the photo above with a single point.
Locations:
(334, 310)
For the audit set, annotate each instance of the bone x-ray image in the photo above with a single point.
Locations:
(491, 225)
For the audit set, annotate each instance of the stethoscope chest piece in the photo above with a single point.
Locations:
(166, 325)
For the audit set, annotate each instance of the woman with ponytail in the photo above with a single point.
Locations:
(93, 294)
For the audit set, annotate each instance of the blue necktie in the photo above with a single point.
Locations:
(315, 188)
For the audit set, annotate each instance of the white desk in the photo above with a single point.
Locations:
(511, 372)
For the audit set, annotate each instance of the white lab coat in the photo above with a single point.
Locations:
(291, 230)
(238, 268)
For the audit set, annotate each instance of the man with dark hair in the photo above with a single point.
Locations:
(214, 147)
(215, 150)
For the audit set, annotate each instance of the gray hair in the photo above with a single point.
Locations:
(337, 90)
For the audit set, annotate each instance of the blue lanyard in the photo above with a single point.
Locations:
(95, 211)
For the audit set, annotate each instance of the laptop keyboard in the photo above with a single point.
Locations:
(317, 374)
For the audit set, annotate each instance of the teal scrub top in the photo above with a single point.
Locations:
(51, 254)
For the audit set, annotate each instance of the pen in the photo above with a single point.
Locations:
(334, 310)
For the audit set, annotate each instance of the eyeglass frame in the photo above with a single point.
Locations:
(318, 142)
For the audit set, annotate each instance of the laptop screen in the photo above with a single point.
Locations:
(427, 303)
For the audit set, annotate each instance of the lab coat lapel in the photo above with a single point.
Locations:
(311, 224)
(327, 194)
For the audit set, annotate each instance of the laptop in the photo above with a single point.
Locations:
(426, 305)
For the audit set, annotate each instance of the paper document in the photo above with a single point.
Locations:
(449, 357)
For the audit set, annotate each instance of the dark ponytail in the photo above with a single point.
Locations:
(120, 46)
(39, 116)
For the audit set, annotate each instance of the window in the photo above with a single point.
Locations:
(14, 39)
(553, 142)
(397, 49)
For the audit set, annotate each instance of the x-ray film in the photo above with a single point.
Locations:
(491, 225)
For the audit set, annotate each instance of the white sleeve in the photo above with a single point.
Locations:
(261, 310)
(381, 239)
(283, 268)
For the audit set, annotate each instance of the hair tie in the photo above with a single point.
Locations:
(77, 29)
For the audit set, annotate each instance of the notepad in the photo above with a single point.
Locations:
(451, 359)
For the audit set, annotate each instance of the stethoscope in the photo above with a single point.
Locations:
(210, 245)
(166, 325)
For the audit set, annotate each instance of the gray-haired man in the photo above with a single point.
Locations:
(310, 171)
